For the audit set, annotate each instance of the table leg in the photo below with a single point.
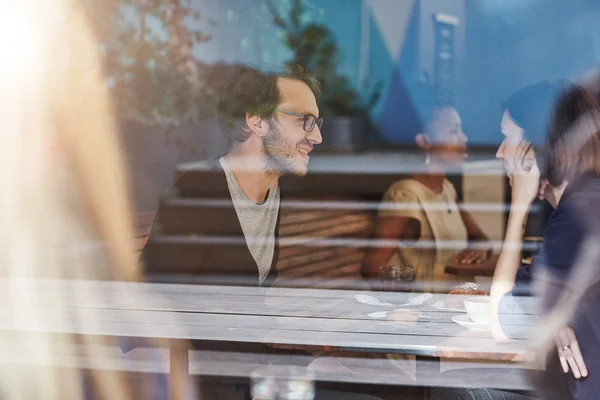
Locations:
(180, 373)
(427, 366)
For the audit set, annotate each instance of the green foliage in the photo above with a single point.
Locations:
(314, 47)
(146, 47)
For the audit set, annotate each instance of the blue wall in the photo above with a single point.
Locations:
(504, 45)
(516, 44)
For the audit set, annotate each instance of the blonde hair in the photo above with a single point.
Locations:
(65, 207)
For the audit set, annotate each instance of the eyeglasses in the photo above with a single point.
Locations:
(309, 120)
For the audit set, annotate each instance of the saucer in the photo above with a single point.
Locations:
(465, 321)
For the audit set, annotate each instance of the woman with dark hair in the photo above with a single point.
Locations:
(566, 173)
(555, 108)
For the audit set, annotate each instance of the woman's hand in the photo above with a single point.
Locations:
(569, 353)
(525, 181)
(496, 293)
(475, 255)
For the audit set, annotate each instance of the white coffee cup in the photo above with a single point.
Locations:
(478, 309)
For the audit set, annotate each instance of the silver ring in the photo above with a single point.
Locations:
(566, 347)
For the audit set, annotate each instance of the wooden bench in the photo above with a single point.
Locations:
(304, 259)
(318, 213)
(308, 263)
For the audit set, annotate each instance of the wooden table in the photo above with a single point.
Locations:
(485, 268)
(276, 316)
(531, 245)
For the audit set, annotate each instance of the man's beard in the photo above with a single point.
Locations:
(279, 154)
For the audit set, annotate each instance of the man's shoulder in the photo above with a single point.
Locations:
(201, 165)
(200, 179)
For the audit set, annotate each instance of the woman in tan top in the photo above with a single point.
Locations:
(422, 211)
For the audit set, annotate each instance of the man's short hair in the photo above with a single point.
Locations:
(256, 93)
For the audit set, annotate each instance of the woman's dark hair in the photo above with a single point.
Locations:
(546, 112)
(531, 109)
(573, 145)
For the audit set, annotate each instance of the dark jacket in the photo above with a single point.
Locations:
(197, 237)
(575, 220)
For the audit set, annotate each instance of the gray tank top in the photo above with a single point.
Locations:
(258, 222)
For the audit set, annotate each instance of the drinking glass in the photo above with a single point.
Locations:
(396, 278)
(280, 382)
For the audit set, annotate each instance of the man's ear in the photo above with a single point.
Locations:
(423, 141)
(257, 125)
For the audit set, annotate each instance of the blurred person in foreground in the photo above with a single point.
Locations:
(423, 208)
(64, 207)
(272, 124)
(569, 117)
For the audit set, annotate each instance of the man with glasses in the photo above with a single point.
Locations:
(222, 226)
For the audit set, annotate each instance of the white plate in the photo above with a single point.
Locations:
(370, 300)
(440, 306)
(464, 321)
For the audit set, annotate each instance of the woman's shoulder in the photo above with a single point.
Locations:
(563, 235)
(565, 219)
(403, 199)
(407, 188)
(413, 188)
(585, 202)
